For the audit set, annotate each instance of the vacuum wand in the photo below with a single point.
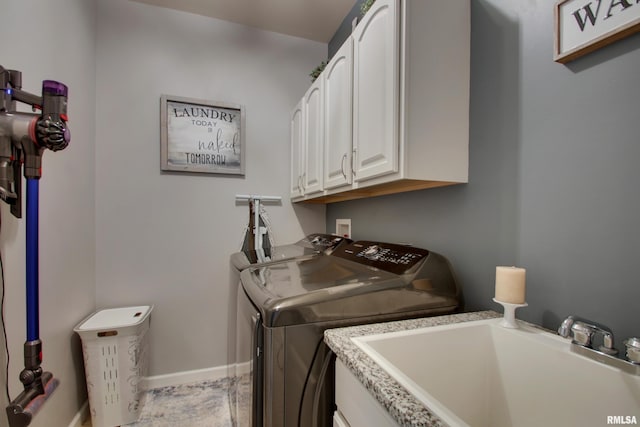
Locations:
(23, 139)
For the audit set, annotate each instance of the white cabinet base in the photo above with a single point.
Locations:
(355, 404)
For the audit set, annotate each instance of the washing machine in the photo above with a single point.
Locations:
(286, 307)
(312, 245)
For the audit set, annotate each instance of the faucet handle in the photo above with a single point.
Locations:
(607, 345)
(582, 333)
(633, 350)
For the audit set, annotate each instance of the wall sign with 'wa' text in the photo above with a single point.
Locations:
(583, 26)
(201, 136)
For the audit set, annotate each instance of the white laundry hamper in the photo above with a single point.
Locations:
(115, 349)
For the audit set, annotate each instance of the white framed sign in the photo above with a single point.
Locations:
(201, 136)
(582, 26)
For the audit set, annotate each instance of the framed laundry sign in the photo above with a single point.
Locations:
(582, 26)
(201, 136)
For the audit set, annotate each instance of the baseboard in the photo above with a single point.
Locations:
(81, 416)
(185, 377)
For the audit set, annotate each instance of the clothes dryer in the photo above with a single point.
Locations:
(287, 307)
(312, 245)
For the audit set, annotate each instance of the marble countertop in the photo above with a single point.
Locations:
(400, 404)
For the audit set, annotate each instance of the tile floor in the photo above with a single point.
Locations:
(202, 404)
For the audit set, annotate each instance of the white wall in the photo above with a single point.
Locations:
(54, 40)
(165, 239)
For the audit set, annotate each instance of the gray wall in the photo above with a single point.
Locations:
(553, 176)
(165, 238)
(114, 231)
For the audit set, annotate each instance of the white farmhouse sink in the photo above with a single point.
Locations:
(481, 374)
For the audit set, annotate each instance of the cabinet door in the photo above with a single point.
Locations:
(376, 91)
(313, 138)
(297, 146)
(338, 117)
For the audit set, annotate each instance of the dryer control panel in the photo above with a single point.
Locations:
(390, 257)
(325, 243)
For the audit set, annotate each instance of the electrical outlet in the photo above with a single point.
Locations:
(343, 227)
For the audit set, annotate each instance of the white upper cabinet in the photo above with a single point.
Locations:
(295, 125)
(307, 143)
(396, 105)
(337, 118)
(313, 138)
(375, 91)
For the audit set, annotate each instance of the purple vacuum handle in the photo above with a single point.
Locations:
(53, 87)
(52, 130)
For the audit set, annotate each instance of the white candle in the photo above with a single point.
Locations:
(510, 284)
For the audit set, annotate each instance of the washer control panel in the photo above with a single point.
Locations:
(390, 257)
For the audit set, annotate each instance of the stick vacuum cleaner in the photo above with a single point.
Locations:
(23, 139)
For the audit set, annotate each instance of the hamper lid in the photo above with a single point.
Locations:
(115, 318)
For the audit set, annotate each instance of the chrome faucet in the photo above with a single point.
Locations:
(582, 332)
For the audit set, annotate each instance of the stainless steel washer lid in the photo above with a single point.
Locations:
(346, 286)
(311, 245)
